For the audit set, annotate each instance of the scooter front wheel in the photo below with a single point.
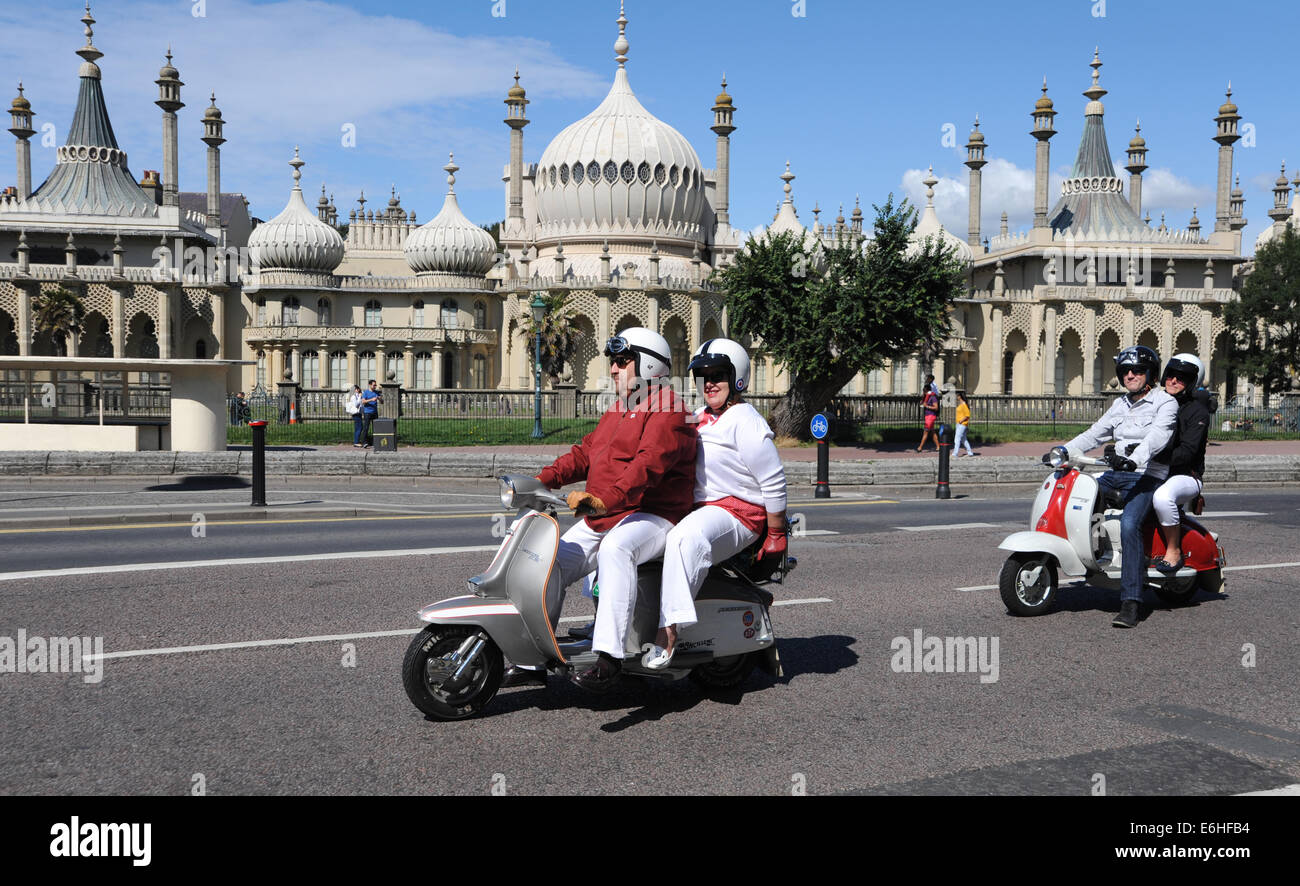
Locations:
(1028, 583)
(428, 673)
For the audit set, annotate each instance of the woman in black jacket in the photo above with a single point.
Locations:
(1186, 455)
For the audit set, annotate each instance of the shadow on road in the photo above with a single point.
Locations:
(815, 655)
(201, 482)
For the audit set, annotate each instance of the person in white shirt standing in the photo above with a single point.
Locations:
(740, 492)
(352, 403)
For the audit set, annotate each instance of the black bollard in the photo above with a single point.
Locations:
(259, 463)
(823, 489)
(945, 447)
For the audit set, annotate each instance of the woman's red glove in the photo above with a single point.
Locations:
(774, 545)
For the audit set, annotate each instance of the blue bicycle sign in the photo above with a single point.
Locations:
(820, 426)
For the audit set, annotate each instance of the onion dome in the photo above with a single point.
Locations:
(296, 240)
(167, 71)
(928, 225)
(723, 100)
(20, 102)
(516, 91)
(1228, 107)
(451, 243)
(620, 167)
(1044, 103)
(1137, 142)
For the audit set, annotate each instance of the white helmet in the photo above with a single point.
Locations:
(721, 353)
(1188, 367)
(648, 348)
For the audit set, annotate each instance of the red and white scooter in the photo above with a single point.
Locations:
(1079, 534)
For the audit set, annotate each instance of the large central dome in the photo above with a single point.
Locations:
(618, 169)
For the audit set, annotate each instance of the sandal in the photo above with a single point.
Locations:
(656, 657)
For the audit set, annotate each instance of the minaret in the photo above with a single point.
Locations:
(323, 206)
(1226, 135)
(1281, 210)
(169, 99)
(722, 125)
(20, 115)
(1236, 207)
(1043, 131)
(1137, 164)
(516, 119)
(1194, 225)
(855, 222)
(975, 160)
(212, 124)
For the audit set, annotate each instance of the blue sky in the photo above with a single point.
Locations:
(856, 95)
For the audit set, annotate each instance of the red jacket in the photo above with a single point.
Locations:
(637, 460)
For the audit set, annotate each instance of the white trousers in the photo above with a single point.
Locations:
(615, 553)
(1175, 491)
(706, 536)
(960, 439)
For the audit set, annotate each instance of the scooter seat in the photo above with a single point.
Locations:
(733, 590)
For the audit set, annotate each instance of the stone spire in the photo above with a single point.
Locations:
(1281, 210)
(723, 109)
(212, 129)
(621, 44)
(20, 116)
(975, 162)
(88, 52)
(169, 99)
(1043, 131)
(1237, 207)
(1137, 164)
(516, 119)
(1226, 135)
(1194, 224)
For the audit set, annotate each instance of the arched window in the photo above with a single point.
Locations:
(480, 371)
(366, 368)
(374, 314)
(289, 312)
(417, 311)
(1008, 363)
(310, 369)
(338, 369)
(424, 370)
(396, 367)
(323, 312)
(261, 311)
(201, 349)
(449, 312)
(480, 315)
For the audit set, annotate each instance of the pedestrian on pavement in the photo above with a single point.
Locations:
(370, 401)
(930, 409)
(963, 425)
(352, 403)
(242, 410)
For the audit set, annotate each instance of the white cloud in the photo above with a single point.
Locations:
(1163, 191)
(1004, 187)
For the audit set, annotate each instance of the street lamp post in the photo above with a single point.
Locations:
(539, 313)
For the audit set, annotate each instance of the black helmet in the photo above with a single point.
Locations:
(1138, 357)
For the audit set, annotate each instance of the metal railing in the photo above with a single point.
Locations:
(85, 397)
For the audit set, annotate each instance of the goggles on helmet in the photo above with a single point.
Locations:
(617, 345)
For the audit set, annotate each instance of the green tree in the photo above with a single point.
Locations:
(560, 338)
(58, 313)
(829, 313)
(1265, 322)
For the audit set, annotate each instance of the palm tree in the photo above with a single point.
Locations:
(58, 313)
(560, 338)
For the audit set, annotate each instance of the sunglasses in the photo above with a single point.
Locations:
(622, 360)
(716, 377)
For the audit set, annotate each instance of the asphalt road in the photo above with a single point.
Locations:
(1199, 700)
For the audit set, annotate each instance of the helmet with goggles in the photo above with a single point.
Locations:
(1187, 368)
(721, 355)
(646, 348)
(1138, 358)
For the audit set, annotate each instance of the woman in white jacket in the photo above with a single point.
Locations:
(739, 491)
(352, 403)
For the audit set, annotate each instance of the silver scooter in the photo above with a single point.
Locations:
(454, 667)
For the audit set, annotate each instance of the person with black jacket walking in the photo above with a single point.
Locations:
(1186, 455)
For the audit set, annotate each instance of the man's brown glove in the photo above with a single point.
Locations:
(587, 502)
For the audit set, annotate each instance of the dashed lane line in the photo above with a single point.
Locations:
(328, 638)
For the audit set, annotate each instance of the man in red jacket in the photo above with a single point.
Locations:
(639, 464)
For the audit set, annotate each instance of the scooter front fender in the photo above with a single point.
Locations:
(1030, 542)
(499, 618)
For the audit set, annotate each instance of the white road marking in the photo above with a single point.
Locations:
(1291, 790)
(1210, 515)
(328, 638)
(1225, 569)
(803, 532)
(948, 526)
(240, 561)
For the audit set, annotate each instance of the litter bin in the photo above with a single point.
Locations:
(384, 431)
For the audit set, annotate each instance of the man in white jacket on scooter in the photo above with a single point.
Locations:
(1141, 424)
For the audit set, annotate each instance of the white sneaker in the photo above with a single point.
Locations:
(656, 657)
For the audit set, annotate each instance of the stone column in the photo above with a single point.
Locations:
(408, 365)
(998, 347)
(165, 323)
(24, 329)
(437, 366)
(1050, 348)
(1167, 333)
(693, 333)
(1090, 350)
(652, 310)
(354, 367)
(118, 321)
(219, 322)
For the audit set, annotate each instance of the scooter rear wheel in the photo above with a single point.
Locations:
(1022, 596)
(1177, 591)
(727, 672)
(426, 674)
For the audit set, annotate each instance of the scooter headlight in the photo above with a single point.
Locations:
(1058, 456)
(507, 493)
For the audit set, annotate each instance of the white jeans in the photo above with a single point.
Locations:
(706, 536)
(1175, 491)
(960, 439)
(615, 553)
